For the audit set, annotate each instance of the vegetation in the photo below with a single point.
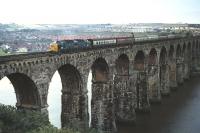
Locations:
(24, 121)
(2, 52)
(51, 129)
(20, 121)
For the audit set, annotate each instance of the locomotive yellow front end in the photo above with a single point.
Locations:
(54, 47)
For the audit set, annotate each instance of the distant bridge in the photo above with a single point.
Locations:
(125, 79)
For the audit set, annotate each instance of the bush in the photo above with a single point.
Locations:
(19, 121)
(24, 121)
(51, 129)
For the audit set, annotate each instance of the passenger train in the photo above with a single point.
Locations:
(91, 43)
(80, 43)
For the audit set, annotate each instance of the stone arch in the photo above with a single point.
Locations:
(179, 64)
(37, 62)
(100, 70)
(189, 48)
(163, 56)
(152, 60)
(193, 53)
(184, 51)
(197, 53)
(28, 64)
(122, 65)
(185, 61)
(24, 64)
(123, 95)
(73, 98)
(20, 64)
(102, 90)
(196, 49)
(189, 59)
(171, 52)
(27, 95)
(153, 84)
(142, 101)
(10, 66)
(198, 45)
(139, 61)
(164, 75)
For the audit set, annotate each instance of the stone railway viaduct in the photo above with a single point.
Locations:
(125, 79)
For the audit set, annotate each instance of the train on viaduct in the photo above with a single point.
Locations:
(125, 79)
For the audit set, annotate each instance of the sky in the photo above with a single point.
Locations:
(99, 11)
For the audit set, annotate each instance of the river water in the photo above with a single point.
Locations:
(178, 113)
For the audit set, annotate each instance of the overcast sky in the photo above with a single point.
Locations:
(99, 11)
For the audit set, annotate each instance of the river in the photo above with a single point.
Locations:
(178, 113)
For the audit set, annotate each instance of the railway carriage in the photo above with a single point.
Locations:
(105, 41)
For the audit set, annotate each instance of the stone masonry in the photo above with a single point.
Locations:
(125, 79)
